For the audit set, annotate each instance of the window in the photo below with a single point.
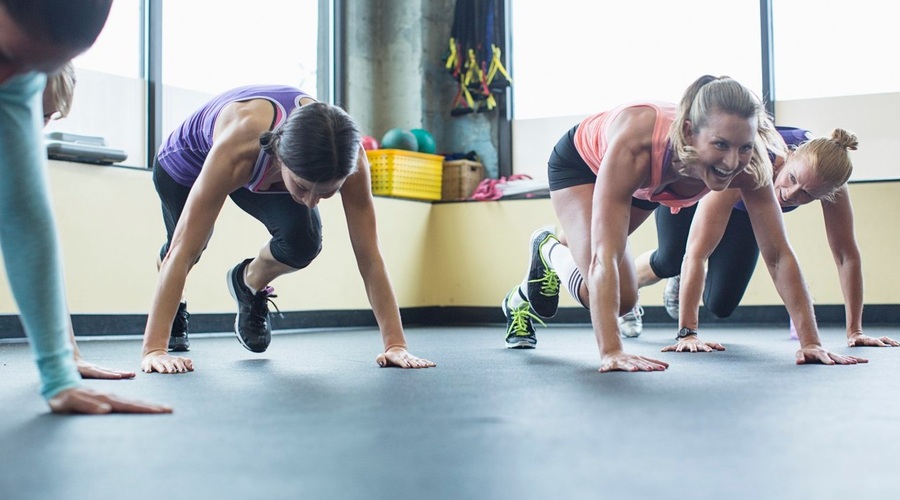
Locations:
(210, 46)
(109, 99)
(580, 57)
(827, 48)
(214, 45)
(117, 50)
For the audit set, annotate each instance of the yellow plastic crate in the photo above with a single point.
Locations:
(406, 174)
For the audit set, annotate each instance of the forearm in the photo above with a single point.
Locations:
(603, 293)
(850, 274)
(791, 286)
(384, 305)
(693, 275)
(169, 290)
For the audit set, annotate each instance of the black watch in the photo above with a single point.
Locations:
(685, 332)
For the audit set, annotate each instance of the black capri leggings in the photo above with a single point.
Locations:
(730, 266)
(296, 230)
(566, 168)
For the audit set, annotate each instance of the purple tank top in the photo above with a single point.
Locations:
(183, 153)
(793, 138)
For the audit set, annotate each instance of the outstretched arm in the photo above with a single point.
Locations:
(32, 256)
(625, 167)
(707, 228)
(359, 209)
(768, 225)
(226, 168)
(842, 241)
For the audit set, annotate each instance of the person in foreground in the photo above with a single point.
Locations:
(718, 234)
(611, 171)
(38, 37)
(277, 153)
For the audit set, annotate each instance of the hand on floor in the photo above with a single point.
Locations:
(860, 340)
(163, 363)
(400, 357)
(621, 361)
(817, 354)
(693, 343)
(86, 401)
(90, 370)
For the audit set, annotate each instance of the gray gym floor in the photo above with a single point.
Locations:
(314, 417)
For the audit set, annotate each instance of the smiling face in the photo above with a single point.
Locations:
(797, 183)
(307, 192)
(724, 148)
(21, 53)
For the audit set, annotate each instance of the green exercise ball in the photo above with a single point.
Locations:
(426, 140)
(398, 138)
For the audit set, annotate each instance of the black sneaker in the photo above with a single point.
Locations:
(519, 326)
(251, 325)
(178, 339)
(543, 282)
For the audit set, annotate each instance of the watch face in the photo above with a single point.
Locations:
(686, 332)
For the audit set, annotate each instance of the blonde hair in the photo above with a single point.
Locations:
(61, 89)
(709, 94)
(829, 158)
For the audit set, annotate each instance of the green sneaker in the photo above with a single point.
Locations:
(543, 282)
(519, 326)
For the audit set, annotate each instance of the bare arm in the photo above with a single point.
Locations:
(838, 217)
(359, 209)
(707, 228)
(842, 241)
(227, 167)
(768, 225)
(625, 167)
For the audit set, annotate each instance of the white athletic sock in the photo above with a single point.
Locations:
(561, 261)
(516, 299)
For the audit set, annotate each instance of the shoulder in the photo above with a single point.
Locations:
(633, 127)
(254, 113)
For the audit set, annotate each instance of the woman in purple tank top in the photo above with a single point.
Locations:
(276, 153)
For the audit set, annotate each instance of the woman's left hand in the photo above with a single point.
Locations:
(400, 357)
(90, 370)
(818, 354)
(860, 340)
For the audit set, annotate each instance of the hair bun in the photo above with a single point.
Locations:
(844, 139)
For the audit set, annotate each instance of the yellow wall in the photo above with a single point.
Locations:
(447, 254)
(111, 230)
(453, 254)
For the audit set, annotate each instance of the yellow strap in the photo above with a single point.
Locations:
(497, 65)
(468, 96)
(453, 57)
(490, 102)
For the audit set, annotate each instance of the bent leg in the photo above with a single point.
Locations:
(731, 266)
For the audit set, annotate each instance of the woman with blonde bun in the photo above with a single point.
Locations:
(711, 251)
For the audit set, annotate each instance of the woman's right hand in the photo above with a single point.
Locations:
(620, 361)
(85, 401)
(160, 361)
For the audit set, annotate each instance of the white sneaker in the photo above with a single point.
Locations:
(670, 296)
(631, 325)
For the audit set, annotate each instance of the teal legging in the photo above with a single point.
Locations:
(28, 233)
